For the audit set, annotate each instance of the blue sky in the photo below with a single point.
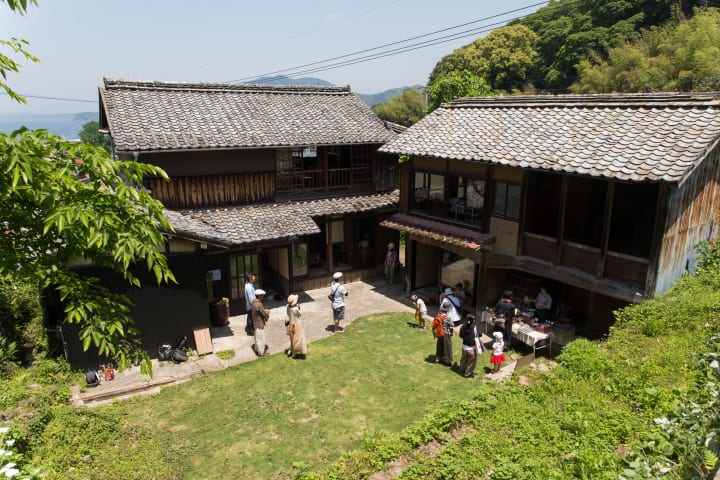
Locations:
(81, 41)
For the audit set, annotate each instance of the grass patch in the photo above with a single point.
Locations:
(258, 419)
(226, 354)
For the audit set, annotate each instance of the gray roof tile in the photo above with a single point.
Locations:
(234, 226)
(636, 137)
(151, 116)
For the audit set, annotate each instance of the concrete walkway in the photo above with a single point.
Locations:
(364, 298)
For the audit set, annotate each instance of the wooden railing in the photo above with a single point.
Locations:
(318, 180)
(618, 266)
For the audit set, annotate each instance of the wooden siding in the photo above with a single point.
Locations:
(632, 270)
(693, 216)
(213, 190)
(539, 247)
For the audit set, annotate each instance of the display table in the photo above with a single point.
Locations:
(526, 334)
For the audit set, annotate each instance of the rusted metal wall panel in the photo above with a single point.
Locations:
(693, 216)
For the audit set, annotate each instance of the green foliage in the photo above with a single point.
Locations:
(404, 109)
(585, 358)
(456, 84)
(90, 134)
(63, 201)
(504, 58)
(17, 47)
(21, 319)
(676, 57)
(83, 443)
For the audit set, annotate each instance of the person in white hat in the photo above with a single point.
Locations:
(498, 349)
(337, 299)
(298, 345)
(420, 311)
(260, 317)
(391, 260)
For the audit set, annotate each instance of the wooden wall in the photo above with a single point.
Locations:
(693, 216)
(213, 190)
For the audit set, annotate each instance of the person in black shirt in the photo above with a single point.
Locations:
(506, 308)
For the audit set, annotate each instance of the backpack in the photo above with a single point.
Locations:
(437, 325)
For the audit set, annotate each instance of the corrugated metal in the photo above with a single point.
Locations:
(693, 216)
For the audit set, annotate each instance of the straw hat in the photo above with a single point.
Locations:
(337, 275)
(292, 300)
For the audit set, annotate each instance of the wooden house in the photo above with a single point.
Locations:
(601, 198)
(281, 181)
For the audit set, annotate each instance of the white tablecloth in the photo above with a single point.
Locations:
(521, 331)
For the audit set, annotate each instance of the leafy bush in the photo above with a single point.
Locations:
(585, 358)
(21, 320)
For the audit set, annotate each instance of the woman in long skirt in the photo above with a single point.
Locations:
(298, 345)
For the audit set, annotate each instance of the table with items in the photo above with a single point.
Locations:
(525, 328)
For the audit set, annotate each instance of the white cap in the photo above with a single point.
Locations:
(391, 245)
(259, 291)
(337, 275)
(497, 335)
(448, 290)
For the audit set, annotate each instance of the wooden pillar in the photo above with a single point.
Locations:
(659, 226)
(607, 219)
(561, 219)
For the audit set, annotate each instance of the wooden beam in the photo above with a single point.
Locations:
(658, 234)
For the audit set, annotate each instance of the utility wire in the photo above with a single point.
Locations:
(240, 80)
(61, 99)
(397, 51)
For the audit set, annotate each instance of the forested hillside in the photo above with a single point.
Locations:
(551, 49)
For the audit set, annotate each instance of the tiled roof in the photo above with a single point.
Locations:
(151, 116)
(440, 231)
(234, 226)
(656, 137)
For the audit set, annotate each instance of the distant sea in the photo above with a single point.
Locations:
(67, 125)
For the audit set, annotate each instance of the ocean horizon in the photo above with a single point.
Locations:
(66, 125)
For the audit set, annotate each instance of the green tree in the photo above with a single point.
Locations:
(678, 56)
(456, 84)
(504, 58)
(90, 133)
(62, 202)
(7, 64)
(404, 109)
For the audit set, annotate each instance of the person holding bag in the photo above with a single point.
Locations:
(468, 360)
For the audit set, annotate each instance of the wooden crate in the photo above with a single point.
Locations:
(203, 341)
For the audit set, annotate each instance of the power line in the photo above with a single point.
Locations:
(380, 54)
(397, 51)
(54, 98)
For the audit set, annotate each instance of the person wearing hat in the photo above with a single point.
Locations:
(450, 304)
(337, 299)
(391, 260)
(498, 355)
(420, 311)
(260, 317)
(298, 345)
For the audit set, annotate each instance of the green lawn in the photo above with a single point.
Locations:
(257, 419)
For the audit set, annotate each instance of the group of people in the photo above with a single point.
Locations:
(258, 317)
(449, 316)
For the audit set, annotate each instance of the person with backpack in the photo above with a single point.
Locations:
(442, 328)
(337, 300)
(451, 305)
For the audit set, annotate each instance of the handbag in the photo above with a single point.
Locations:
(479, 346)
(331, 296)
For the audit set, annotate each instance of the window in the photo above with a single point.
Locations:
(299, 259)
(239, 266)
(507, 200)
(429, 192)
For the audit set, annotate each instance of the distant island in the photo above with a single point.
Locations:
(69, 125)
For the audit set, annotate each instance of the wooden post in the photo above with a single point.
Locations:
(607, 219)
(561, 219)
